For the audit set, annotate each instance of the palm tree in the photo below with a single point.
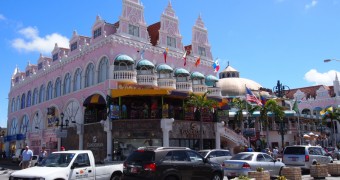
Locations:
(331, 114)
(278, 114)
(201, 102)
(240, 105)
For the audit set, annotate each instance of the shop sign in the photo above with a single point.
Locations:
(61, 134)
(21, 136)
(94, 143)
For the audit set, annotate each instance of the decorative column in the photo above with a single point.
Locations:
(80, 132)
(218, 127)
(166, 125)
(108, 128)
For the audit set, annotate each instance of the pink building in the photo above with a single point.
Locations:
(142, 72)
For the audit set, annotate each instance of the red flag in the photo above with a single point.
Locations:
(198, 61)
(165, 53)
(185, 58)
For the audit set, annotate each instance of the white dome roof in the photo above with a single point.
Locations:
(237, 86)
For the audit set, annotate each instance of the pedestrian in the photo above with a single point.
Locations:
(42, 154)
(62, 148)
(27, 155)
(275, 153)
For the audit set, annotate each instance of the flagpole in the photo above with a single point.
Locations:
(298, 115)
(247, 117)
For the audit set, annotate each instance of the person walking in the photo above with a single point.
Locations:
(42, 154)
(27, 155)
(275, 153)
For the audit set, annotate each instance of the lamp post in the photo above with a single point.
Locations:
(280, 91)
(62, 126)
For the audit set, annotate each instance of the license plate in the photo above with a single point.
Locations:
(134, 170)
(294, 158)
(232, 174)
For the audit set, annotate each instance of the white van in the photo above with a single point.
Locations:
(304, 156)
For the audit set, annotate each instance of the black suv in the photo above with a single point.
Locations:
(169, 163)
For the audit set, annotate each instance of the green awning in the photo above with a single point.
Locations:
(211, 78)
(197, 75)
(124, 57)
(145, 62)
(181, 71)
(164, 67)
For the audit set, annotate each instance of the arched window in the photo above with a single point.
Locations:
(13, 105)
(35, 97)
(42, 94)
(17, 104)
(29, 99)
(23, 100)
(67, 84)
(25, 125)
(57, 90)
(14, 127)
(49, 91)
(89, 75)
(77, 80)
(103, 71)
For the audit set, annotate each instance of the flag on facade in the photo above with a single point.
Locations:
(165, 53)
(251, 97)
(295, 107)
(198, 61)
(263, 100)
(185, 57)
(216, 66)
(326, 110)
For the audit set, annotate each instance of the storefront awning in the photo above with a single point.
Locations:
(139, 92)
(94, 99)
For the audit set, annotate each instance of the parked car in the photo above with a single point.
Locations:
(71, 165)
(34, 160)
(216, 155)
(334, 152)
(169, 163)
(304, 156)
(243, 162)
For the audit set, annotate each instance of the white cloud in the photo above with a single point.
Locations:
(31, 41)
(311, 4)
(2, 17)
(318, 78)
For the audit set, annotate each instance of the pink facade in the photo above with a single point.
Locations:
(91, 65)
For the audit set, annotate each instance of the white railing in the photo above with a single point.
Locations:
(125, 76)
(233, 136)
(184, 86)
(214, 91)
(199, 88)
(167, 83)
(150, 80)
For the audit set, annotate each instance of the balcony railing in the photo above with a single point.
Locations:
(233, 136)
(167, 83)
(184, 86)
(125, 76)
(150, 80)
(199, 89)
(214, 92)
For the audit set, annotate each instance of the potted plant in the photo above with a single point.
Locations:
(260, 173)
(318, 170)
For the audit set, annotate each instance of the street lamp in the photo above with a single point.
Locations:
(62, 125)
(329, 60)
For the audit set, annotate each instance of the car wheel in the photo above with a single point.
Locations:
(216, 177)
(171, 178)
(338, 157)
(280, 172)
(115, 177)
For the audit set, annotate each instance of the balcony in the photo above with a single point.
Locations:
(199, 89)
(125, 76)
(214, 92)
(148, 80)
(184, 86)
(169, 84)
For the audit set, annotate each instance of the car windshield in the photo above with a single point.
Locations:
(57, 160)
(203, 153)
(242, 156)
(295, 150)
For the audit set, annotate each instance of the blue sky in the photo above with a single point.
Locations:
(265, 40)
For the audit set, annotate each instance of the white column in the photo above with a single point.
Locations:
(218, 127)
(108, 128)
(80, 132)
(166, 125)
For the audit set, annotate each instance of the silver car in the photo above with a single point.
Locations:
(216, 155)
(242, 163)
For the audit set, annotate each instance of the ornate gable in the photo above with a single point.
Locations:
(169, 35)
(131, 22)
(200, 43)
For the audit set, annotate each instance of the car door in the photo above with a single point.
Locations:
(260, 162)
(325, 156)
(273, 168)
(200, 169)
(82, 168)
(180, 161)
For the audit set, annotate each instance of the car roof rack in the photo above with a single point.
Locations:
(160, 148)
